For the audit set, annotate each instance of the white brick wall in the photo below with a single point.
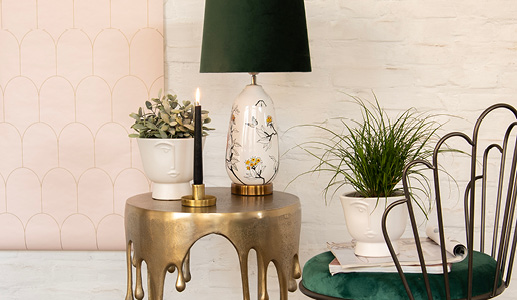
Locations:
(453, 57)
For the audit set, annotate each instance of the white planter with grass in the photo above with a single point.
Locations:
(369, 155)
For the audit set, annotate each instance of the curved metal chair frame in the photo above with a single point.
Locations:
(504, 240)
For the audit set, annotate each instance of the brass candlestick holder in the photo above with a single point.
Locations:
(198, 197)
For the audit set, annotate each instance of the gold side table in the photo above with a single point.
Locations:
(161, 233)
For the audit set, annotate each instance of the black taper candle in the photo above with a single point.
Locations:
(198, 143)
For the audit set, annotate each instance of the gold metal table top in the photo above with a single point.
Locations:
(226, 203)
(161, 233)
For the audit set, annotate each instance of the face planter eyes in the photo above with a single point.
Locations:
(360, 206)
(165, 147)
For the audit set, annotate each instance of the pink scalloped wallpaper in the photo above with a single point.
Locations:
(70, 73)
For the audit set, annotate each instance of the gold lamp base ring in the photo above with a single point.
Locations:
(252, 190)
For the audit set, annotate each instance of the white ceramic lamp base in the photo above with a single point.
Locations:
(252, 146)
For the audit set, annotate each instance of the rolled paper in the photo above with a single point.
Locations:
(451, 245)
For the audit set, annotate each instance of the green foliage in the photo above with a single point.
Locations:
(371, 155)
(165, 117)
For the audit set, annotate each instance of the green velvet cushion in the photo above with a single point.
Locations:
(378, 286)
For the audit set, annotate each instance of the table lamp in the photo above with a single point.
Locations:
(254, 36)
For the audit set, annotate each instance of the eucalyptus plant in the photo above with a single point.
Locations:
(370, 155)
(165, 117)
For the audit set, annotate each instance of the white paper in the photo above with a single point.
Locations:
(347, 261)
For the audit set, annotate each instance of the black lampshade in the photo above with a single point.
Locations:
(255, 36)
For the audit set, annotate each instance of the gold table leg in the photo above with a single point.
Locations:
(161, 233)
(129, 291)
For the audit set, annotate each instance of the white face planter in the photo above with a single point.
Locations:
(363, 218)
(169, 164)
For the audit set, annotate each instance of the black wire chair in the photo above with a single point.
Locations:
(490, 244)
(503, 241)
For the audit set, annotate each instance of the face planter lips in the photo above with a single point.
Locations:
(173, 173)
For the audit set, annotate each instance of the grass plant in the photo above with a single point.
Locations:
(370, 155)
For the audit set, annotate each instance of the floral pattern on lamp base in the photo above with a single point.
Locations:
(252, 144)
